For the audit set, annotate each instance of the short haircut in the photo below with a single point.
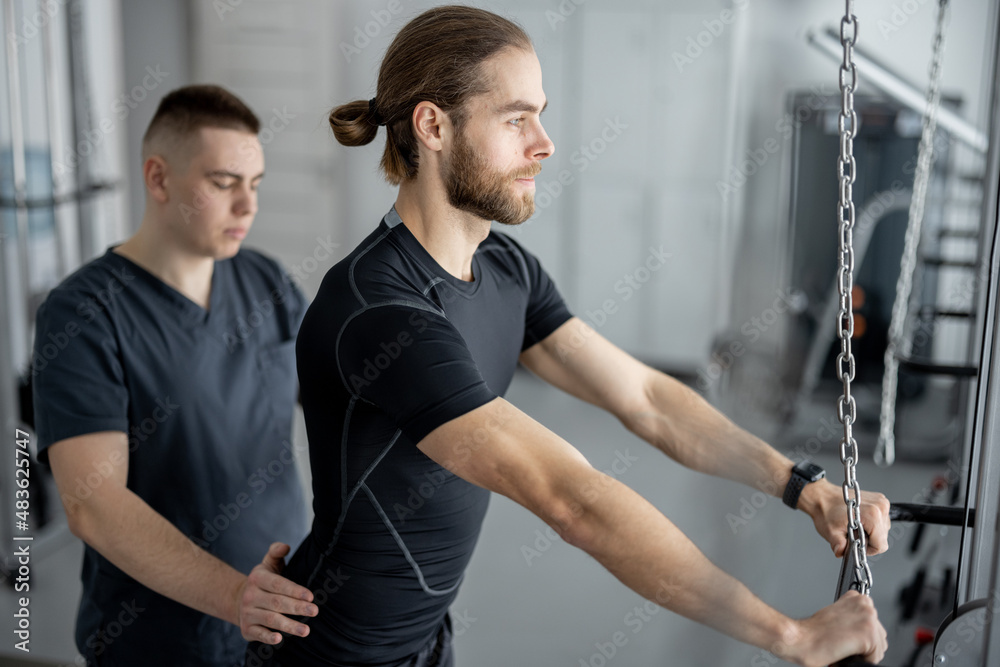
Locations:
(186, 110)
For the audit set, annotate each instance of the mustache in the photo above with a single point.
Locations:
(529, 172)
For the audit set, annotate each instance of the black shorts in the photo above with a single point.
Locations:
(438, 653)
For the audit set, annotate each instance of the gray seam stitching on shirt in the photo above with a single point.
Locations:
(402, 547)
(343, 449)
(350, 499)
(343, 483)
(350, 272)
(431, 284)
(359, 311)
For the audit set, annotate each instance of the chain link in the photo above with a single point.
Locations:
(885, 450)
(846, 408)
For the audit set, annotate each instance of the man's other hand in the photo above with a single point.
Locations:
(265, 597)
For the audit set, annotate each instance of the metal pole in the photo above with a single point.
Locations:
(987, 482)
(896, 88)
(14, 308)
(53, 103)
(18, 158)
(80, 95)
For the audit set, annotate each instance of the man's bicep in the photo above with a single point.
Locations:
(498, 447)
(581, 362)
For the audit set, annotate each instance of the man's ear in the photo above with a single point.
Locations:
(155, 171)
(431, 125)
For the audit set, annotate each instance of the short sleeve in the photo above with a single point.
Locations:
(411, 363)
(546, 310)
(77, 376)
(283, 287)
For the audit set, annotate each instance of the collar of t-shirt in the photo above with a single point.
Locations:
(419, 253)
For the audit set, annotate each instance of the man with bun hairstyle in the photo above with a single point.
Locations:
(404, 357)
(166, 416)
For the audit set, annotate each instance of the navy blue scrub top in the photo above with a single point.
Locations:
(207, 401)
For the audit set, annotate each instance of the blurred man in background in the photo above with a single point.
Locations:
(166, 411)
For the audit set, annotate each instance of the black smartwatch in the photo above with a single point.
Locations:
(804, 472)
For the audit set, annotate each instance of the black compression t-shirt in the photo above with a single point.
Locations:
(393, 347)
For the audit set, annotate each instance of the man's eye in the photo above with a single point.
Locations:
(516, 121)
(222, 186)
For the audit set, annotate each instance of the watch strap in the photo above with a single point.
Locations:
(794, 489)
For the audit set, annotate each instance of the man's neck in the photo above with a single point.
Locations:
(188, 274)
(449, 235)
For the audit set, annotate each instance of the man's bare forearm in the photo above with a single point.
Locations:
(650, 555)
(151, 550)
(682, 424)
(641, 547)
(687, 428)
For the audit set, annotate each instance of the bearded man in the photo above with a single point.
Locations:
(409, 346)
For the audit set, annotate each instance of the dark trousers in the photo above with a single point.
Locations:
(438, 653)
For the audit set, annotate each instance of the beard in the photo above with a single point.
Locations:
(475, 187)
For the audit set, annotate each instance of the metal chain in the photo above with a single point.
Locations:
(885, 450)
(847, 124)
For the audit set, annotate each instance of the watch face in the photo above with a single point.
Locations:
(810, 471)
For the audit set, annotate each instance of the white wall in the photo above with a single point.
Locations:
(280, 58)
(156, 39)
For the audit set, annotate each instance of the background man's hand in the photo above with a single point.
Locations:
(265, 597)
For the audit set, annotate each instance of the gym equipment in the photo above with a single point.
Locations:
(967, 636)
(899, 348)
